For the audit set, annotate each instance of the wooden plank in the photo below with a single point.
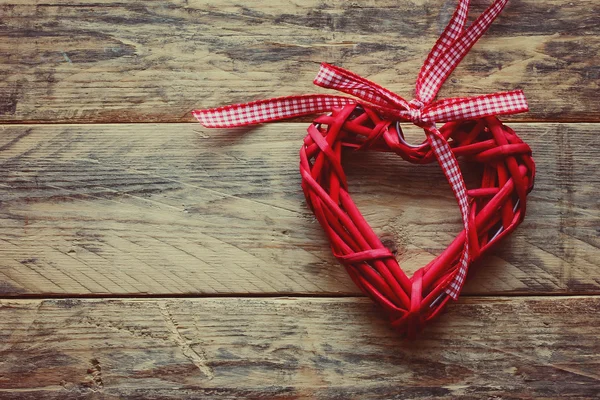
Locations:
(296, 349)
(177, 209)
(110, 61)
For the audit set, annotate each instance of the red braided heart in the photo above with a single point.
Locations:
(497, 206)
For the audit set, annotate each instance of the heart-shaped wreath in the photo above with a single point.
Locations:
(370, 121)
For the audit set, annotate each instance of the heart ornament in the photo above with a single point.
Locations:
(370, 120)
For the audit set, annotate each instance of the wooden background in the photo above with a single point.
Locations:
(143, 256)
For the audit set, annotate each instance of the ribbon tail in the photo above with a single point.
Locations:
(451, 169)
(274, 109)
(466, 108)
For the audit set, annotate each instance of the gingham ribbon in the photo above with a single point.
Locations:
(448, 51)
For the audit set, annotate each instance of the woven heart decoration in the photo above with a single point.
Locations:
(370, 121)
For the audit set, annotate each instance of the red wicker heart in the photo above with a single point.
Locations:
(497, 206)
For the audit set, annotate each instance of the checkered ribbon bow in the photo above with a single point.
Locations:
(454, 43)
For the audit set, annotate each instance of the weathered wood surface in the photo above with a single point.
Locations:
(172, 209)
(296, 349)
(177, 209)
(113, 61)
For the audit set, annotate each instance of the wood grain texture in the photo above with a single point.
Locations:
(296, 349)
(113, 61)
(172, 209)
(177, 209)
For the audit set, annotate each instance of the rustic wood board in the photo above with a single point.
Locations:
(173, 209)
(537, 347)
(215, 220)
(113, 61)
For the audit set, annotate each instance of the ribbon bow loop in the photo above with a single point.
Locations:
(416, 111)
(342, 80)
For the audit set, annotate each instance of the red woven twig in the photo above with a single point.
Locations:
(369, 122)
